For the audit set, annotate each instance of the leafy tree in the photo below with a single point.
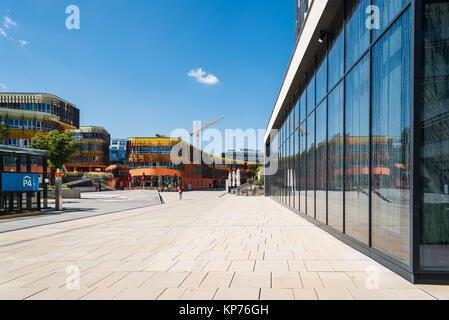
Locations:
(61, 147)
(4, 131)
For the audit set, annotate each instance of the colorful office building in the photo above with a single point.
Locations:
(93, 153)
(150, 160)
(361, 130)
(28, 114)
(117, 152)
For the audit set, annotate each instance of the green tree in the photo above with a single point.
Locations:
(61, 147)
(4, 131)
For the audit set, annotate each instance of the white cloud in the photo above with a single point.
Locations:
(2, 86)
(202, 76)
(8, 22)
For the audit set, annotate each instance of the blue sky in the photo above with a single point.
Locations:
(127, 67)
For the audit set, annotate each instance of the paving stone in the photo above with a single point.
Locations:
(276, 294)
(199, 294)
(139, 294)
(251, 280)
(217, 280)
(304, 294)
(237, 294)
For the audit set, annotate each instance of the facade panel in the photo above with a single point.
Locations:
(434, 123)
(357, 151)
(391, 85)
(371, 128)
(335, 158)
(321, 162)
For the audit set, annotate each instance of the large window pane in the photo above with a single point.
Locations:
(287, 162)
(311, 95)
(357, 34)
(290, 171)
(391, 136)
(357, 152)
(321, 161)
(335, 158)
(388, 10)
(303, 155)
(284, 168)
(435, 126)
(321, 81)
(292, 160)
(297, 137)
(336, 64)
(282, 163)
(311, 165)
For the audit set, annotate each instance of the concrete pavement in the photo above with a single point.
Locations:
(204, 247)
(90, 204)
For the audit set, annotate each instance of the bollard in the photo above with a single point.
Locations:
(58, 190)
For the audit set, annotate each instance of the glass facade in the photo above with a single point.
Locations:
(350, 149)
(30, 124)
(357, 126)
(65, 112)
(434, 125)
(335, 158)
(391, 85)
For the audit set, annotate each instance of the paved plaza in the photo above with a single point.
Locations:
(208, 246)
(90, 204)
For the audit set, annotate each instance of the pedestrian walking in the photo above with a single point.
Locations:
(180, 192)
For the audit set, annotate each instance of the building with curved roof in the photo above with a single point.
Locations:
(93, 154)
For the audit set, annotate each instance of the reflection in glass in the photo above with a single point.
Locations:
(335, 158)
(357, 34)
(297, 172)
(390, 143)
(321, 81)
(357, 152)
(389, 10)
(311, 95)
(435, 140)
(310, 141)
(321, 161)
(336, 64)
(303, 156)
(282, 165)
(311, 164)
(292, 159)
(291, 168)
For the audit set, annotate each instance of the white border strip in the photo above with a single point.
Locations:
(313, 17)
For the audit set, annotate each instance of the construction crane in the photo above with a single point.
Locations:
(197, 130)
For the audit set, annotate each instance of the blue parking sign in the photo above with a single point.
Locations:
(12, 181)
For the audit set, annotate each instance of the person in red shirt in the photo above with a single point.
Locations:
(180, 192)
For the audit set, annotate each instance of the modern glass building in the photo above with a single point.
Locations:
(93, 153)
(250, 155)
(28, 114)
(150, 160)
(302, 7)
(361, 128)
(117, 152)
